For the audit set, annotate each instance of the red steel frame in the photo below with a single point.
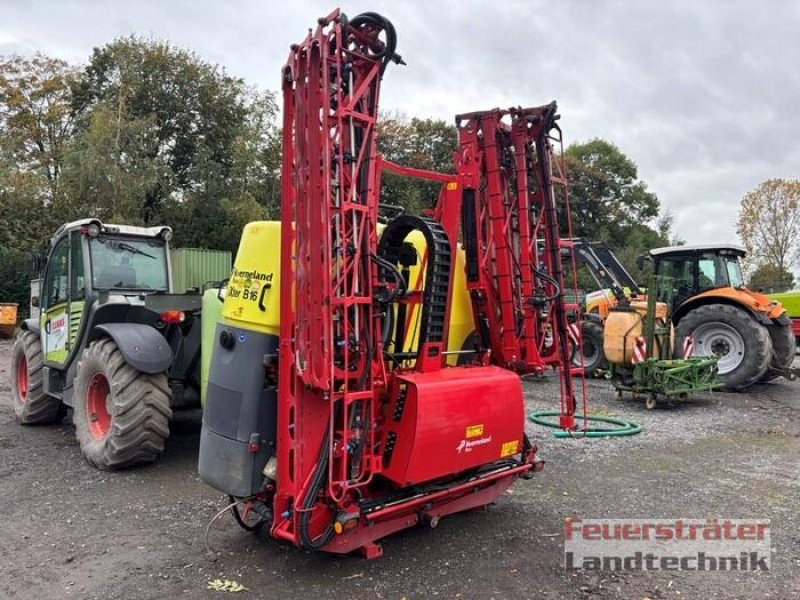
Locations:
(328, 380)
(510, 175)
(333, 380)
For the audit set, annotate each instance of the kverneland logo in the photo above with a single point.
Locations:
(468, 445)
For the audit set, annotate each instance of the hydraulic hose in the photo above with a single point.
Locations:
(380, 22)
(624, 427)
(317, 480)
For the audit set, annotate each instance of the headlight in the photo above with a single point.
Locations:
(93, 229)
(166, 234)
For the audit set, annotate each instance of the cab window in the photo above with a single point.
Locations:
(77, 280)
(679, 268)
(56, 285)
(712, 271)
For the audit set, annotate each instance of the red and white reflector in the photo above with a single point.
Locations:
(688, 347)
(639, 350)
(574, 331)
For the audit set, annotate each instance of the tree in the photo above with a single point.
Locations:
(769, 224)
(665, 227)
(607, 200)
(422, 144)
(771, 279)
(256, 153)
(36, 119)
(196, 110)
(110, 167)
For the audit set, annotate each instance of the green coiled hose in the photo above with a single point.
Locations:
(623, 427)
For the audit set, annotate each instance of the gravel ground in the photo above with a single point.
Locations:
(69, 531)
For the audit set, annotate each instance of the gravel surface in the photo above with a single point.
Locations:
(69, 531)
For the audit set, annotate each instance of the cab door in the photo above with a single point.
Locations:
(54, 318)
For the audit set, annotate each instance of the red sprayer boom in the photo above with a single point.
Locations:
(376, 432)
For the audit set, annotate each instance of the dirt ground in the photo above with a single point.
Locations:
(69, 531)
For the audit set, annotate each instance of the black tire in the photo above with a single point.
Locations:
(31, 405)
(783, 349)
(594, 358)
(743, 344)
(128, 427)
(471, 343)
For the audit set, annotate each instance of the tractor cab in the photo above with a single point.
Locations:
(697, 269)
(90, 267)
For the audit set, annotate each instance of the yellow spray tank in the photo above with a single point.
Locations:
(252, 297)
(624, 324)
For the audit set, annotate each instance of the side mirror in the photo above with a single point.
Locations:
(643, 259)
(35, 301)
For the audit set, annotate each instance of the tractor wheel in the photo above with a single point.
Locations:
(593, 357)
(783, 349)
(31, 405)
(121, 415)
(742, 344)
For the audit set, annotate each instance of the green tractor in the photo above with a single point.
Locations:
(111, 342)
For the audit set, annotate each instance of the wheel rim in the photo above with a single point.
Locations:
(722, 341)
(22, 378)
(97, 409)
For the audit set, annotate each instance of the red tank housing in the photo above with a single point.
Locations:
(440, 424)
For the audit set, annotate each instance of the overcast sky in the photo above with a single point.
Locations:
(703, 96)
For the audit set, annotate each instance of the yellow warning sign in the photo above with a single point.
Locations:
(509, 449)
(474, 431)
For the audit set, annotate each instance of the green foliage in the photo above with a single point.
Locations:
(111, 166)
(193, 103)
(36, 118)
(610, 204)
(14, 279)
(607, 200)
(771, 279)
(36, 126)
(146, 133)
(207, 135)
(422, 144)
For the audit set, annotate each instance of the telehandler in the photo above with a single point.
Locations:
(111, 342)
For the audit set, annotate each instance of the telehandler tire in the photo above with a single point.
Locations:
(783, 349)
(121, 415)
(31, 405)
(742, 344)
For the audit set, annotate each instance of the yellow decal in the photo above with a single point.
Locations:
(474, 431)
(509, 449)
(452, 186)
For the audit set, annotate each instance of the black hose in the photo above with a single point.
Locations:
(310, 499)
(237, 515)
(552, 281)
(387, 53)
(402, 284)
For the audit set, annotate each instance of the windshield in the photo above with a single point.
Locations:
(128, 263)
